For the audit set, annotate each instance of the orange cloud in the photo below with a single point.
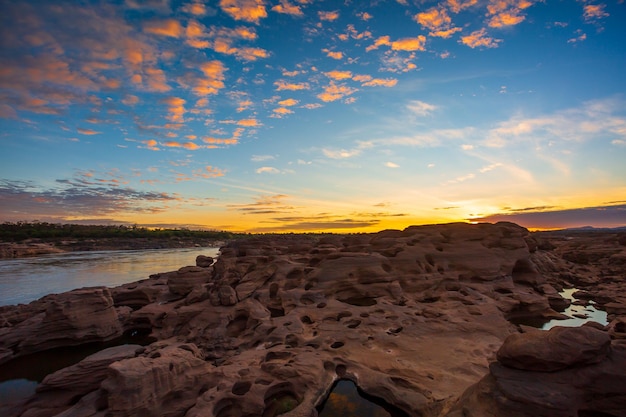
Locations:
(594, 12)
(338, 75)
(405, 44)
(87, 131)
(445, 33)
(169, 27)
(333, 92)
(333, 54)
(409, 44)
(365, 16)
(154, 80)
(282, 85)
(287, 8)
(214, 81)
(288, 102)
(243, 105)
(220, 141)
(151, 144)
(247, 10)
(507, 12)
(176, 109)
(197, 9)
(248, 122)
(194, 29)
(362, 78)
(381, 82)
(209, 172)
(328, 16)
(505, 19)
(282, 110)
(130, 100)
(224, 46)
(433, 19)
(458, 5)
(479, 38)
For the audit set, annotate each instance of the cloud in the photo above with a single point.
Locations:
(247, 10)
(283, 85)
(380, 82)
(507, 12)
(265, 204)
(197, 9)
(479, 39)
(545, 218)
(458, 5)
(175, 109)
(267, 170)
(208, 172)
(437, 21)
(328, 16)
(88, 131)
(339, 75)
(288, 102)
(421, 108)
(333, 92)
(213, 80)
(248, 122)
(261, 158)
(288, 8)
(594, 12)
(333, 54)
(409, 44)
(593, 120)
(391, 165)
(581, 37)
(168, 27)
(83, 196)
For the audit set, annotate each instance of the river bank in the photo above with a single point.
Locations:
(37, 247)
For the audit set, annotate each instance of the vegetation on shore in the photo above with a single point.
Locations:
(20, 231)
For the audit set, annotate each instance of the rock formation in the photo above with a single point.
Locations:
(414, 317)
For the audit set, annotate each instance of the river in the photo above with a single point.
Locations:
(27, 279)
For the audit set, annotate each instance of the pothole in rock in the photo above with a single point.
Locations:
(360, 301)
(347, 400)
(280, 399)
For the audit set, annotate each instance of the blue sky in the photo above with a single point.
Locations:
(311, 115)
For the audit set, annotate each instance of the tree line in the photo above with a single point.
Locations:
(18, 231)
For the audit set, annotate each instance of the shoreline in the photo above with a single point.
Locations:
(38, 247)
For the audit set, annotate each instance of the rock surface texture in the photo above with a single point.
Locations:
(416, 317)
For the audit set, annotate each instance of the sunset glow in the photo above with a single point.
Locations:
(312, 115)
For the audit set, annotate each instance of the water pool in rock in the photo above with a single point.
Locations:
(347, 400)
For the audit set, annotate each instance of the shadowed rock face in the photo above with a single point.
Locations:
(413, 317)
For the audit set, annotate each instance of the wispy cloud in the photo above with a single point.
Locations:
(247, 10)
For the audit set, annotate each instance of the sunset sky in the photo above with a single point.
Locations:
(313, 115)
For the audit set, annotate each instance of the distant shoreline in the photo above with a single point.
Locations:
(38, 247)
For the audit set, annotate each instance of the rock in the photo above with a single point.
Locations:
(169, 381)
(204, 261)
(185, 279)
(415, 316)
(558, 348)
(587, 388)
(76, 317)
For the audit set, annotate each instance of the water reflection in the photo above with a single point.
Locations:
(346, 400)
(585, 313)
(27, 279)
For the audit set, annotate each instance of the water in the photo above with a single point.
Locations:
(346, 400)
(592, 313)
(28, 279)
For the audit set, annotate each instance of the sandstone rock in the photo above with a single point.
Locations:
(185, 279)
(167, 383)
(558, 348)
(204, 261)
(596, 388)
(81, 316)
(413, 316)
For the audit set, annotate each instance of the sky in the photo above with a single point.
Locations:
(313, 115)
